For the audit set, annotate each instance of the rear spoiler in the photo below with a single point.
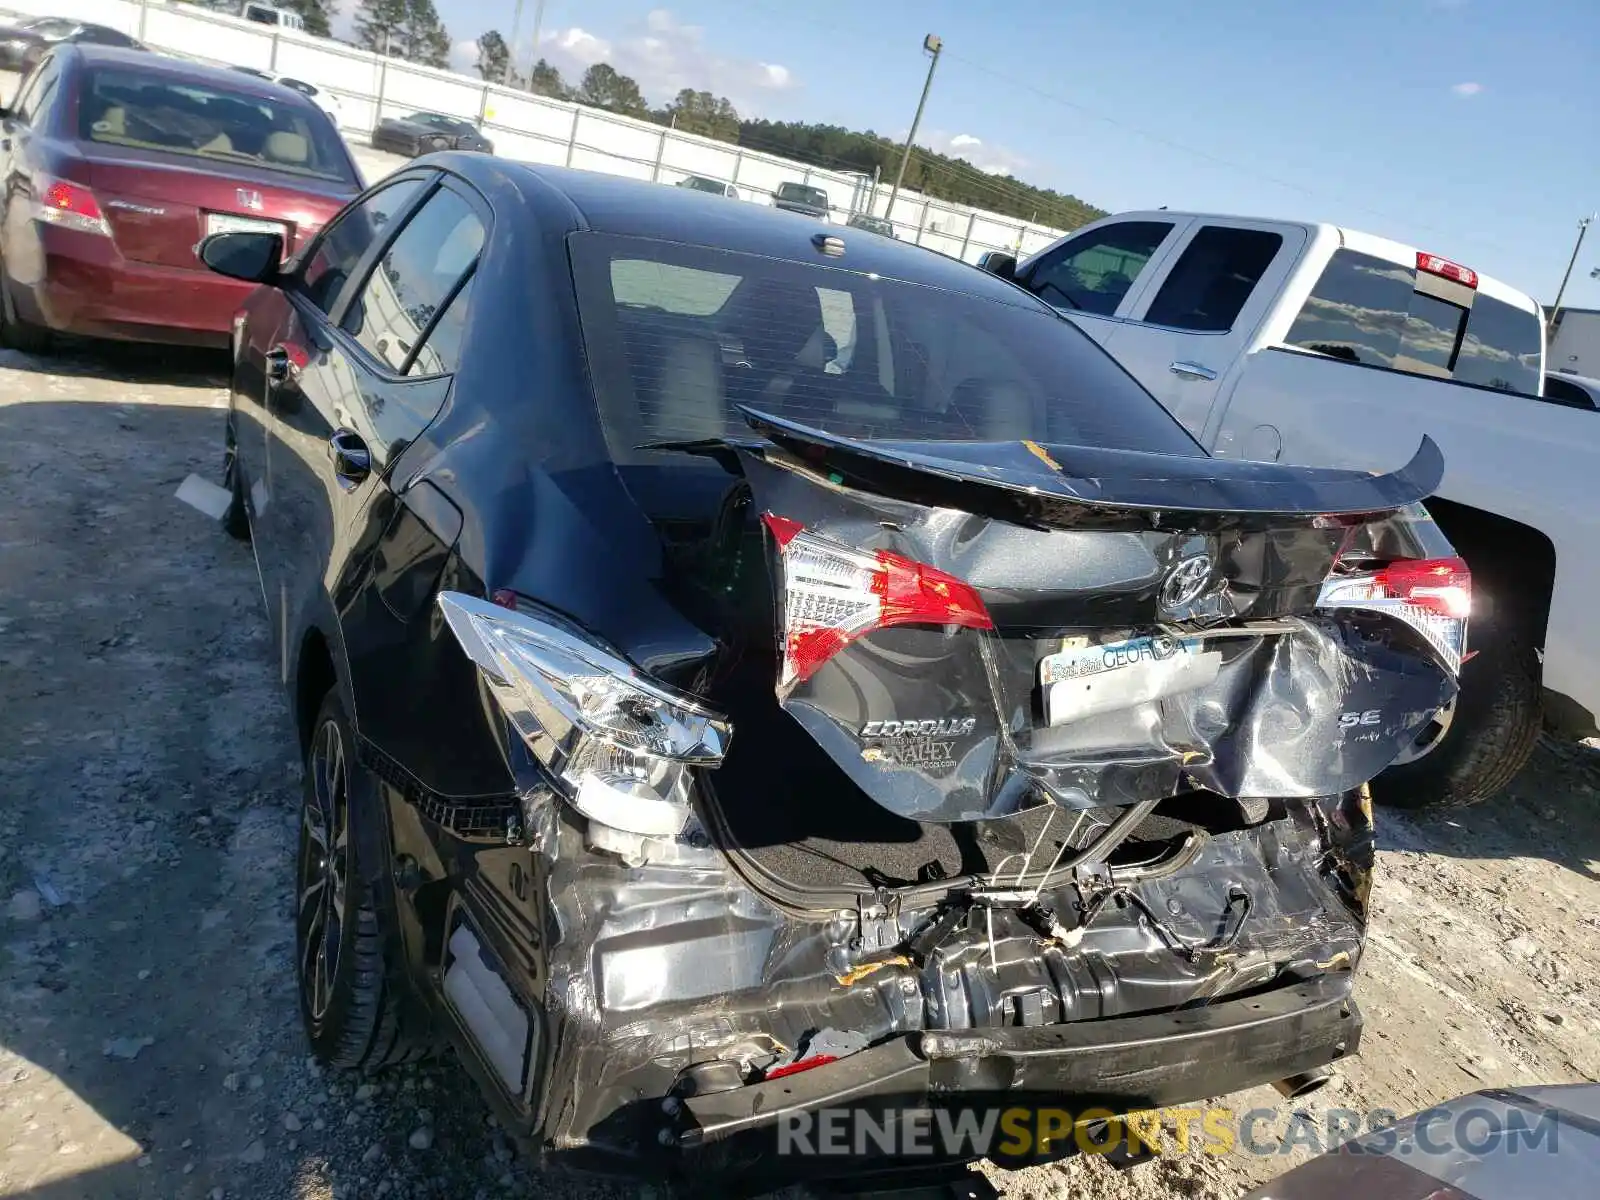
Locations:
(1029, 481)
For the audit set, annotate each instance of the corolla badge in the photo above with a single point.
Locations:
(1185, 582)
(249, 198)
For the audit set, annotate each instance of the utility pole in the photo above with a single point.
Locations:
(511, 50)
(1555, 309)
(931, 45)
(538, 23)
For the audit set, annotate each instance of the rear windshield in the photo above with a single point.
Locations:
(678, 335)
(798, 193)
(125, 107)
(699, 184)
(1367, 310)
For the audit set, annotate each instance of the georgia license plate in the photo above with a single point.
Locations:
(233, 223)
(1082, 681)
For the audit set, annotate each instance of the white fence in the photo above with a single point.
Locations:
(533, 128)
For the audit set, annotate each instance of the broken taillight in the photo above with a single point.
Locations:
(834, 594)
(1432, 595)
(619, 743)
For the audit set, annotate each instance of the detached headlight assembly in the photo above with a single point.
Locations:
(620, 744)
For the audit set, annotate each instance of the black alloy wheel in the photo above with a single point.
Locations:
(322, 880)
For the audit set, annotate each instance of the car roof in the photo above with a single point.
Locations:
(179, 69)
(637, 208)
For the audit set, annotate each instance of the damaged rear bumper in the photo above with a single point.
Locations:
(1120, 1065)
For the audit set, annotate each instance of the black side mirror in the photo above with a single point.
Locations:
(252, 257)
(998, 262)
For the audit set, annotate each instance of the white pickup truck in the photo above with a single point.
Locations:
(1313, 344)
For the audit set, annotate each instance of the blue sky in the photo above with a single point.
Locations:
(1468, 127)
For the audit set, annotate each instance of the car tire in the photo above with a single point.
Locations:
(348, 1005)
(15, 333)
(1486, 740)
(235, 518)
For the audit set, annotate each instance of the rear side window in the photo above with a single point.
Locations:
(337, 253)
(1213, 278)
(678, 336)
(1357, 311)
(415, 280)
(1094, 272)
(1367, 310)
(1502, 347)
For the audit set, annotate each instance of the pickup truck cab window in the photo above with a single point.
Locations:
(1501, 349)
(1369, 310)
(1213, 277)
(1094, 272)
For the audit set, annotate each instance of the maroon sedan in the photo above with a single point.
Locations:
(117, 164)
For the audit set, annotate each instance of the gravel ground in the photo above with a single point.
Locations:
(149, 1044)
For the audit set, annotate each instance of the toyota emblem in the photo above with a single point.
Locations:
(250, 199)
(1186, 581)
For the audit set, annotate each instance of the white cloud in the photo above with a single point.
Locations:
(579, 45)
(664, 55)
(1466, 90)
(987, 157)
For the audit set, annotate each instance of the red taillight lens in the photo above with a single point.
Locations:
(834, 594)
(1442, 586)
(70, 205)
(69, 197)
(1445, 269)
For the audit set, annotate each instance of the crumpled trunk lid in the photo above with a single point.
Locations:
(1085, 627)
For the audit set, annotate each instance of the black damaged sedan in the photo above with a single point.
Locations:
(421, 133)
(745, 670)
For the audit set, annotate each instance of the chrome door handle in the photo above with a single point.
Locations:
(1192, 370)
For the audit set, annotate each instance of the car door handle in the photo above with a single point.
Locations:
(351, 460)
(278, 364)
(1192, 370)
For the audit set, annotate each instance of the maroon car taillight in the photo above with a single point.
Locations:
(834, 594)
(69, 205)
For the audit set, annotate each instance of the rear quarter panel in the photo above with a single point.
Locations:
(1517, 456)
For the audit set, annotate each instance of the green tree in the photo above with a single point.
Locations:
(427, 40)
(703, 113)
(378, 24)
(603, 87)
(408, 29)
(545, 80)
(494, 57)
(932, 174)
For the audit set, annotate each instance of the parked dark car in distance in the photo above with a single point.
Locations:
(801, 198)
(744, 671)
(24, 44)
(881, 226)
(117, 163)
(424, 133)
(704, 183)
